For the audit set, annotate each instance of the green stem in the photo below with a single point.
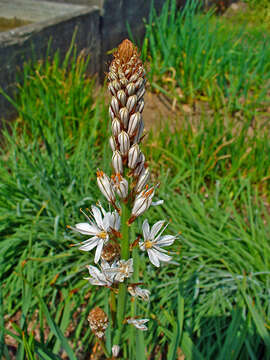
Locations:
(122, 295)
(101, 342)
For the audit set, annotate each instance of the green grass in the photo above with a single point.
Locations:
(214, 176)
(194, 57)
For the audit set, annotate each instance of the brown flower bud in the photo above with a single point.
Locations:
(110, 252)
(98, 321)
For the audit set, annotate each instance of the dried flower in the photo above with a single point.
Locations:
(110, 252)
(123, 269)
(98, 321)
(136, 291)
(138, 323)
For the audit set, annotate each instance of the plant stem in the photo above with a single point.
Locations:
(122, 295)
(101, 342)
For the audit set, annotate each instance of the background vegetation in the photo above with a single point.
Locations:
(214, 172)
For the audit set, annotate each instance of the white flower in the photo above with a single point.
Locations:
(136, 291)
(99, 229)
(121, 270)
(97, 277)
(103, 277)
(138, 323)
(153, 242)
(124, 270)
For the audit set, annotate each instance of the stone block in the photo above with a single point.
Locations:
(31, 42)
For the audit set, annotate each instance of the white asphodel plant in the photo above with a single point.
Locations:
(128, 192)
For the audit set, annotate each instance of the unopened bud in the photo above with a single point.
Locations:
(115, 350)
(116, 84)
(134, 77)
(124, 142)
(133, 156)
(139, 133)
(105, 186)
(134, 123)
(142, 202)
(142, 180)
(131, 89)
(98, 321)
(140, 106)
(115, 105)
(139, 83)
(127, 71)
(131, 102)
(120, 186)
(124, 116)
(141, 71)
(116, 127)
(111, 113)
(140, 93)
(112, 143)
(117, 162)
(112, 67)
(121, 72)
(140, 165)
(111, 89)
(124, 81)
(112, 75)
(122, 97)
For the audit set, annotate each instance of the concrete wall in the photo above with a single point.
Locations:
(99, 29)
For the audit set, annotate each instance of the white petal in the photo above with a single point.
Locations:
(117, 220)
(158, 202)
(86, 229)
(102, 209)
(153, 258)
(156, 228)
(97, 216)
(138, 323)
(161, 256)
(106, 222)
(89, 244)
(97, 277)
(145, 229)
(93, 271)
(98, 251)
(165, 240)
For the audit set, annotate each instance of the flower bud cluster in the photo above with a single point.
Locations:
(127, 86)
